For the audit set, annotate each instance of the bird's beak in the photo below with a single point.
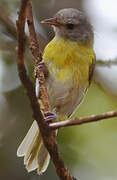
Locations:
(51, 21)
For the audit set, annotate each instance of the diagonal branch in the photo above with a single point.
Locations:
(83, 120)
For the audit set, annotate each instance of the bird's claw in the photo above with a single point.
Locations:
(50, 116)
(43, 68)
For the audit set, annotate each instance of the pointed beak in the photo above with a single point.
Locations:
(51, 21)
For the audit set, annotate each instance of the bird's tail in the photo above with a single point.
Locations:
(33, 150)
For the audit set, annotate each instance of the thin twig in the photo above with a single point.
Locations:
(108, 63)
(84, 120)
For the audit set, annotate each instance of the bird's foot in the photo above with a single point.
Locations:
(50, 116)
(43, 68)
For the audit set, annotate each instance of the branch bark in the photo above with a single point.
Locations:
(37, 56)
(84, 120)
(108, 63)
(30, 89)
(48, 135)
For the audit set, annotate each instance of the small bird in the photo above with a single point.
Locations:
(70, 60)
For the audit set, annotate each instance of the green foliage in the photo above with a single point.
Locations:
(94, 144)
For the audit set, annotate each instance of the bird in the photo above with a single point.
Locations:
(70, 61)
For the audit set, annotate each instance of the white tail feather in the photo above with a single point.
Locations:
(43, 160)
(27, 141)
(33, 150)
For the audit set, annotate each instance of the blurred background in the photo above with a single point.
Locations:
(88, 150)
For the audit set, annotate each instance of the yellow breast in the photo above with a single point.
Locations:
(68, 60)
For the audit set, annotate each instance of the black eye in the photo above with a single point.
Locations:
(70, 26)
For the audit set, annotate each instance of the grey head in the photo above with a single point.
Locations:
(71, 24)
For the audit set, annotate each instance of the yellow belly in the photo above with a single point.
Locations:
(68, 63)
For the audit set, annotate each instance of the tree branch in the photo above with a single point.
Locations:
(108, 63)
(84, 120)
(48, 135)
(34, 46)
(30, 89)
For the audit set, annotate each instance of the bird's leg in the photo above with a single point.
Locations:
(50, 116)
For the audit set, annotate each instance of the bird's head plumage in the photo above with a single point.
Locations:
(71, 24)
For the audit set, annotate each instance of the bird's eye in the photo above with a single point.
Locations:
(70, 26)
